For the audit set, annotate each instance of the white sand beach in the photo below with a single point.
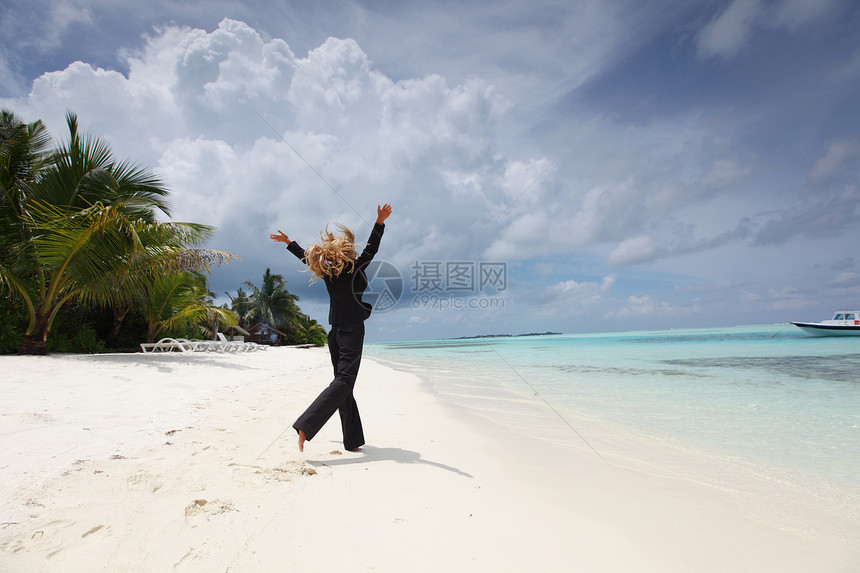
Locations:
(177, 462)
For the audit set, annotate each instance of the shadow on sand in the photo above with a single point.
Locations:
(399, 455)
(164, 361)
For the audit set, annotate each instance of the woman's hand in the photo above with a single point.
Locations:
(382, 213)
(280, 237)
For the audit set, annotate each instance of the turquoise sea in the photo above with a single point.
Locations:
(768, 401)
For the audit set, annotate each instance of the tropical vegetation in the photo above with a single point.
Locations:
(84, 258)
(272, 304)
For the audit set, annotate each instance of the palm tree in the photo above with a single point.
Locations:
(241, 305)
(88, 230)
(83, 172)
(83, 254)
(180, 300)
(309, 331)
(167, 249)
(271, 303)
(212, 323)
(23, 156)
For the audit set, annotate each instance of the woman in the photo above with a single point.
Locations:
(336, 262)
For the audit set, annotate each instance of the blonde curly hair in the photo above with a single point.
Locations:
(333, 254)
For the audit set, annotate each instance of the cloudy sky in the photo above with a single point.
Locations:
(626, 164)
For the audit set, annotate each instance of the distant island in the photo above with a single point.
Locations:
(505, 335)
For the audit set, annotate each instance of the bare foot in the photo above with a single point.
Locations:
(302, 438)
(358, 449)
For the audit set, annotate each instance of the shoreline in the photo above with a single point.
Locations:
(800, 504)
(189, 463)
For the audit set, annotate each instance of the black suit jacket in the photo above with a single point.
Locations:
(345, 289)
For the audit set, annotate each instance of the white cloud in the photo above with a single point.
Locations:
(727, 34)
(750, 298)
(487, 146)
(608, 283)
(572, 297)
(645, 305)
(792, 14)
(420, 143)
(417, 320)
(590, 288)
(93, 91)
(635, 250)
(847, 277)
(522, 180)
(838, 152)
(192, 104)
(529, 235)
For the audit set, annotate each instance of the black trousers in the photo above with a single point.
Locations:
(345, 343)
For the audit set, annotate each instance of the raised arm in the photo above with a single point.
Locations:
(280, 237)
(382, 213)
(292, 246)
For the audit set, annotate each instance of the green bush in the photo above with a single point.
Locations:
(13, 323)
(74, 331)
(131, 333)
(83, 340)
(319, 339)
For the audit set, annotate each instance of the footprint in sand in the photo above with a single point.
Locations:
(243, 474)
(97, 532)
(201, 510)
(188, 560)
(145, 481)
(47, 539)
(288, 471)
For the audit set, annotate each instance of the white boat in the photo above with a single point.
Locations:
(843, 323)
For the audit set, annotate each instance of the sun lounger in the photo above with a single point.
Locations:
(239, 346)
(185, 345)
(169, 345)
